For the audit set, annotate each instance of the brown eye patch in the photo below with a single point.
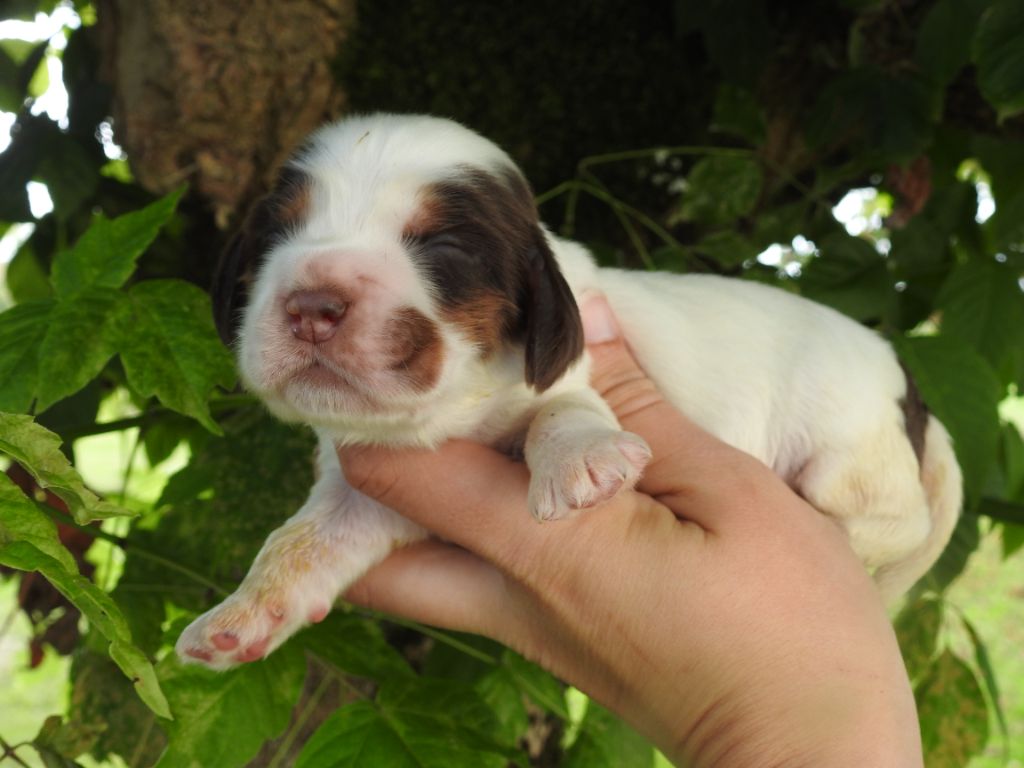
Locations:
(470, 236)
(416, 347)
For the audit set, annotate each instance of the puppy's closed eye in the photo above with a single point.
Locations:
(447, 246)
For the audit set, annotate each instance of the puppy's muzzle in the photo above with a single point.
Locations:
(314, 316)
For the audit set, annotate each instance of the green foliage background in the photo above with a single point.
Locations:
(102, 335)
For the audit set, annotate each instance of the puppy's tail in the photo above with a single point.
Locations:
(943, 487)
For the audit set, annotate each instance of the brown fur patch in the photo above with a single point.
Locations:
(417, 349)
(915, 415)
(482, 319)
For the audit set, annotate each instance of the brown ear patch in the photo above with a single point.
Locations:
(416, 348)
(283, 209)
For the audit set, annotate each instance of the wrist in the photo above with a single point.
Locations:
(852, 725)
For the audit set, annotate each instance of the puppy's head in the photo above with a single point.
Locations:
(392, 256)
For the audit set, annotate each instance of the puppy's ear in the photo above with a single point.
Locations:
(267, 221)
(554, 333)
(231, 281)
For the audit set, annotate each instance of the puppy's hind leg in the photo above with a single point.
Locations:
(873, 488)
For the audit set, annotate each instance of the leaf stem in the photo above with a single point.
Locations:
(438, 635)
(132, 549)
(139, 750)
(9, 751)
(221, 403)
(293, 733)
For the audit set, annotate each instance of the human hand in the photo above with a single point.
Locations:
(712, 608)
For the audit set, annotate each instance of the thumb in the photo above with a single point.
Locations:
(686, 457)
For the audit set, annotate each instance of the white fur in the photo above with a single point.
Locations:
(805, 390)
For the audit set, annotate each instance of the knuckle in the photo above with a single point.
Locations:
(628, 392)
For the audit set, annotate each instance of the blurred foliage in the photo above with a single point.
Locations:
(715, 136)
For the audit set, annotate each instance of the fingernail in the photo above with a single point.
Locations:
(599, 325)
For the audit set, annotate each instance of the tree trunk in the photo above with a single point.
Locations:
(217, 94)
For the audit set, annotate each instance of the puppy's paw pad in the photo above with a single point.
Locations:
(583, 470)
(239, 630)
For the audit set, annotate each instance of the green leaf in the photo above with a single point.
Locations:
(921, 257)
(25, 530)
(1003, 160)
(849, 275)
(954, 719)
(39, 80)
(170, 347)
(451, 706)
(29, 542)
(38, 451)
(998, 53)
(502, 694)
(960, 388)
(59, 743)
(983, 305)
(727, 248)
(222, 719)
(951, 563)
(422, 723)
(81, 337)
(105, 255)
(360, 735)
(1012, 462)
(919, 250)
(26, 279)
(917, 629)
(944, 38)
(355, 645)
(720, 189)
(540, 685)
(881, 117)
(779, 224)
(1003, 511)
(103, 699)
(22, 329)
(19, 50)
(988, 676)
(604, 741)
(1013, 539)
(11, 96)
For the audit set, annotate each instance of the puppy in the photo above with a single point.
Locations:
(399, 289)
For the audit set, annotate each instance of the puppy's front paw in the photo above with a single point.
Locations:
(246, 627)
(583, 468)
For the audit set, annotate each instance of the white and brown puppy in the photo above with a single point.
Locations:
(401, 290)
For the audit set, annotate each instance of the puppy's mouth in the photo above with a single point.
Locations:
(324, 374)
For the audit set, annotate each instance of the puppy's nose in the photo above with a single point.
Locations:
(314, 316)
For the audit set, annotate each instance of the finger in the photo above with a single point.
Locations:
(477, 496)
(690, 466)
(438, 584)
